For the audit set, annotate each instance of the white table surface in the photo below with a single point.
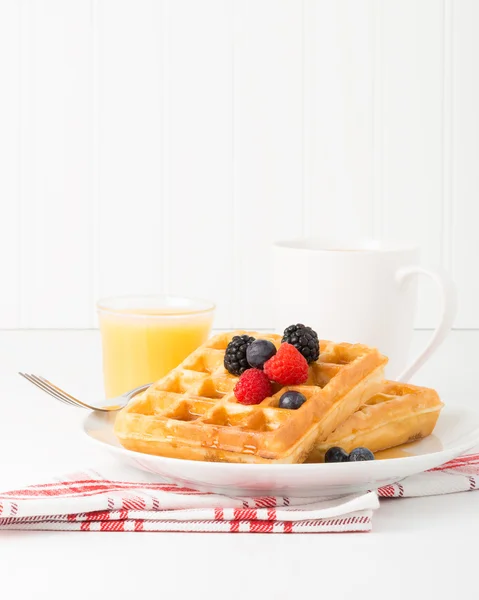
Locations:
(419, 548)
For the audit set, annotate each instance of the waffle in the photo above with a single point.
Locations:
(192, 412)
(396, 415)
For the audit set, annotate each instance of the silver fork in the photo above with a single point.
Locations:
(59, 394)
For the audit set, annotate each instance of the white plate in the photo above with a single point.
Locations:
(456, 432)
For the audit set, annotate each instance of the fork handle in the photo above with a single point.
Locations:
(129, 395)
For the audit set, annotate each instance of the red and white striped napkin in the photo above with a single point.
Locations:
(92, 501)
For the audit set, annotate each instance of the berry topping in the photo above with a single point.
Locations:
(303, 339)
(336, 455)
(259, 352)
(253, 387)
(360, 454)
(287, 366)
(291, 400)
(235, 355)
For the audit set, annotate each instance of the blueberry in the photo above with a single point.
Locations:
(335, 454)
(292, 400)
(259, 352)
(360, 454)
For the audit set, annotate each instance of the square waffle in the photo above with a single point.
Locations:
(397, 414)
(192, 412)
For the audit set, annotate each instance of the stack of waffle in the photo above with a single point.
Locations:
(192, 413)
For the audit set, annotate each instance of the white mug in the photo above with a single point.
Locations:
(358, 292)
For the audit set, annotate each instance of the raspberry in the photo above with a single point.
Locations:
(253, 387)
(288, 366)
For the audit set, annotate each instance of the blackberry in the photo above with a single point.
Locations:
(303, 339)
(235, 355)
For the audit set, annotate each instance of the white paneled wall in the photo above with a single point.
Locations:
(198, 225)
(55, 191)
(267, 146)
(129, 195)
(162, 145)
(411, 118)
(339, 82)
(463, 182)
(10, 163)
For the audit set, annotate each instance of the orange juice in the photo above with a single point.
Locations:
(142, 344)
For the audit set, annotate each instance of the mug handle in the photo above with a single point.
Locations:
(447, 292)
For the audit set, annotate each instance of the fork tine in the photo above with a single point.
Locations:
(45, 389)
(58, 390)
(31, 379)
(53, 390)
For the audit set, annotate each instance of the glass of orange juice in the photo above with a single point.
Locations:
(144, 337)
